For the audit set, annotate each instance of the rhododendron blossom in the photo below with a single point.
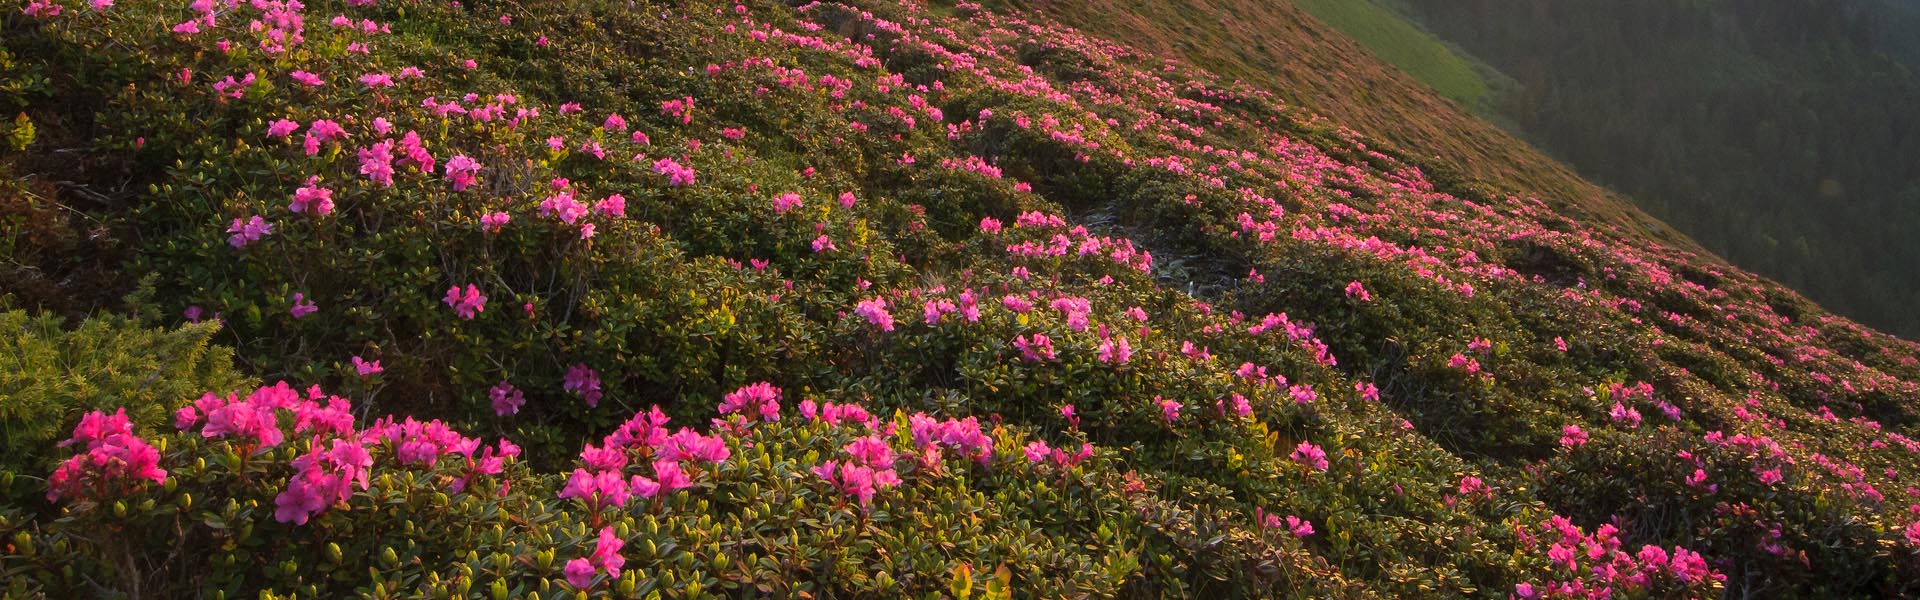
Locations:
(1310, 456)
(461, 171)
(468, 304)
(585, 382)
(111, 459)
(248, 230)
(760, 400)
(312, 197)
(875, 312)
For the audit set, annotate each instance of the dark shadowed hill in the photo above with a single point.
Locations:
(1781, 134)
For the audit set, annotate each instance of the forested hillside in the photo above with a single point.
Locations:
(1781, 134)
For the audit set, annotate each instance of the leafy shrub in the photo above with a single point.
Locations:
(52, 373)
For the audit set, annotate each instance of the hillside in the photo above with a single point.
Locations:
(1281, 48)
(1778, 133)
(873, 299)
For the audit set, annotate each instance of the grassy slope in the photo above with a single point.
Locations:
(1280, 47)
(1403, 45)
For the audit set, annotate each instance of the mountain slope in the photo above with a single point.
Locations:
(878, 299)
(1279, 47)
(1778, 133)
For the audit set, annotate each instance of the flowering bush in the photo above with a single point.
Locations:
(856, 298)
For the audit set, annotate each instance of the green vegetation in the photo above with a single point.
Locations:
(1404, 45)
(856, 299)
(50, 374)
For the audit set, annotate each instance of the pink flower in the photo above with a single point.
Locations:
(365, 368)
(112, 456)
(580, 573)
(688, 444)
(1572, 436)
(989, 225)
(312, 197)
(376, 80)
(320, 132)
(492, 222)
(1300, 527)
(460, 172)
(307, 79)
(467, 305)
(1368, 391)
(614, 123)
(376, 162)
(682, 108)
(1115, 350)
(846, 199)
(282, 128)
(606, 553)
(1699, 480)
(234, 89)
(506, 399)
(1037, 451)
(302, 307)
(247, 231)
(1169, 410)
(823, 244)
(1462, 362)
(1038, 350)
(761, 398)
(677, 175)
(1241, 406)
(1625, 415)
(786, 202)
(870, 451)
(1358, 292)
(855, 481)
(1310, 456)
(1303, 394)
(875, 311)
(41, 9)
(669, 477)
(585, 382)
(613, 206)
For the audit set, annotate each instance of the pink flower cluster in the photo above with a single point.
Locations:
(312, 197)
(868, 469)
(248, 230)
(1038, 349)
(1310, 456)
(468, 304)
(760, 400)
(603, 481)
(1038, 452)
(875, 311)
(585, 382)
(112, 459)
(461, 172)
(1595, 562)
(605, 558)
